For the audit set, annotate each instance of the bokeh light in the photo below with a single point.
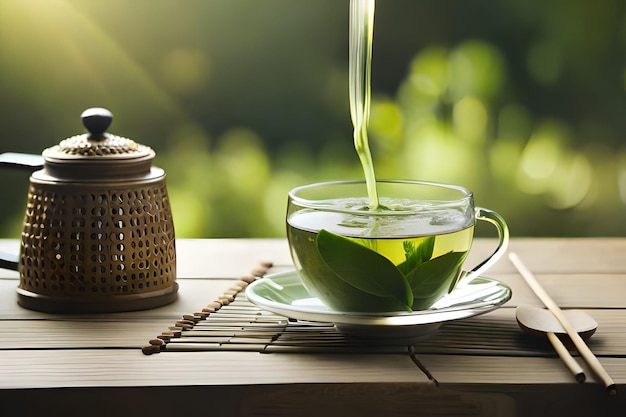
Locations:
(522, 103)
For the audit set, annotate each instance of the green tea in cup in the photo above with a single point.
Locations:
(403, 255)
(381, 246)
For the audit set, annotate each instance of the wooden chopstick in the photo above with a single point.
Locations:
(579, 343)
(565, 356)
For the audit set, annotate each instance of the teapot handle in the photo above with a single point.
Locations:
(25, 161)
(9, 261)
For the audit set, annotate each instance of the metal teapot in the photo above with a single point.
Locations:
(98, 234)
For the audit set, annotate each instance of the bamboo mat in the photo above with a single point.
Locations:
(232, 323)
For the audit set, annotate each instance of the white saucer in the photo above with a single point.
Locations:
(284, 294)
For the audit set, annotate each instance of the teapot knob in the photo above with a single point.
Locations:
(97, 120)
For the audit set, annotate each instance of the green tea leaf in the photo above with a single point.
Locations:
(426, 248)
(363, 268)
(415, 256)
(433, 279)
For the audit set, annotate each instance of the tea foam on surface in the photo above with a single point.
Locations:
(350, 217)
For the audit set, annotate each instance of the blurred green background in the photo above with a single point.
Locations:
(521, 101)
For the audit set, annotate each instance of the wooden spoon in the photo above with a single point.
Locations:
(541, 322)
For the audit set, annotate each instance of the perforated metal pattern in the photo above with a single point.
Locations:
(90, 242)
(111, 145)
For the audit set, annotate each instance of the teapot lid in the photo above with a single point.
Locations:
(97, 153)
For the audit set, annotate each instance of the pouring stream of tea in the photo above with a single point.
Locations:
(360, 68)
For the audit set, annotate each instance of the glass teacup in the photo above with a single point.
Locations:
(404, 255)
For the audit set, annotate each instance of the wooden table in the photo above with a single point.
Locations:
(94, 365)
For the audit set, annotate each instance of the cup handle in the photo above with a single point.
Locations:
(9, 261)
(503, 234)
